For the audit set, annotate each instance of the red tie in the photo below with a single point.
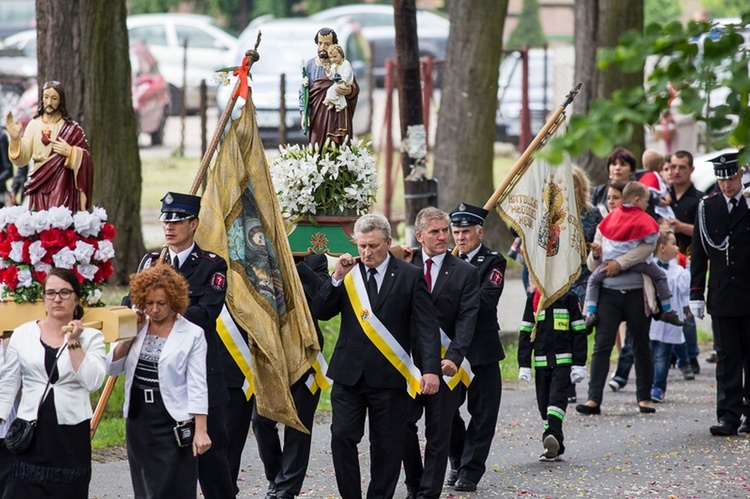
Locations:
(428, 274)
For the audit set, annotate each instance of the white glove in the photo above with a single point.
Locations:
(698, 308)
(524, 374)
(577, 373)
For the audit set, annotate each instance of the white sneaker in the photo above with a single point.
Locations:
(614, 385)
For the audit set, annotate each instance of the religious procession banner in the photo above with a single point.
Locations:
(540, 206)
(241, 221)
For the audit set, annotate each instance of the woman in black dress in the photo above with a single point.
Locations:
(165, 387)
(57, 464)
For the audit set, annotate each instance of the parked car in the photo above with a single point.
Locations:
(377, 26)
(209, 47)
(285, 45)
(150, 94)
(508, 117)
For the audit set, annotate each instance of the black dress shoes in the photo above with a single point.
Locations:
(589, 410)
(723, 429)
(450, 480)
(465, 485)
(745, 425)
(646, 409)
(695, 366)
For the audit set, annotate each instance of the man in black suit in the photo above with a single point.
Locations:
(206, 274)
(685, 198)
(470, 446)
(285, 467)
(454, 288)
(385, 308)
(721, 240)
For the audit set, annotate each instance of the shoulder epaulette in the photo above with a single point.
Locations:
(707, 196)
(212, 257)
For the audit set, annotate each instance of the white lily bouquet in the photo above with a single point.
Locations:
(332, 180)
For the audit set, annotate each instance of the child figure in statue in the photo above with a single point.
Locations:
(340, 71)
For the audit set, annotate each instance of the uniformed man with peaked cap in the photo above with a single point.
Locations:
(721, 240)
(470, 445)
(206, 274)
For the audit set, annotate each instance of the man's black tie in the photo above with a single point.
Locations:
(372, 287)
(732, 205)
(176, 262)
(463, 256)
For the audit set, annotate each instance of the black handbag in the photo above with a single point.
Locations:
(19, 435)
(21, 432)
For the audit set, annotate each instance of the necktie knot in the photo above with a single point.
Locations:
(732, 204)
(463, 256)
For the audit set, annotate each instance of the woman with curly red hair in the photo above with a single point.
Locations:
(166, 396)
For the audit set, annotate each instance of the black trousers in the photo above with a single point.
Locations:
(552, 387)
(732, 339)
(438, 412)
(285, 468)
(386, 410)
(615, 307)
(470, 446)
(239, 411)
(213, 466)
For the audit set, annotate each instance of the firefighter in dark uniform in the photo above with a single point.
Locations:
(206, 274)
(559, 349)
(721, 239)
(470, 445)
(285, 465)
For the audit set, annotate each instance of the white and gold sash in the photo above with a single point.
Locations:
(378, 334)
(464, 374)
(232, 338)
(318, 379)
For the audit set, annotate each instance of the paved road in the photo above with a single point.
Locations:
(621, 453)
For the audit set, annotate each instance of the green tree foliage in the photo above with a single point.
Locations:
(661, 11)
(528, 31)
(695, 69)
(725, 8)
(151, 6)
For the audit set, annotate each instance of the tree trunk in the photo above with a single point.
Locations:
(84, 45)
(586, 45)
(600, 23)
(618, 17)
(466, 125)
(410, 101)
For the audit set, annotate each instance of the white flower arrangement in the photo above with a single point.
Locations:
(332, 180)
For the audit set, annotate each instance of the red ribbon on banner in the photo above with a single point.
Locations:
(241, 73)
